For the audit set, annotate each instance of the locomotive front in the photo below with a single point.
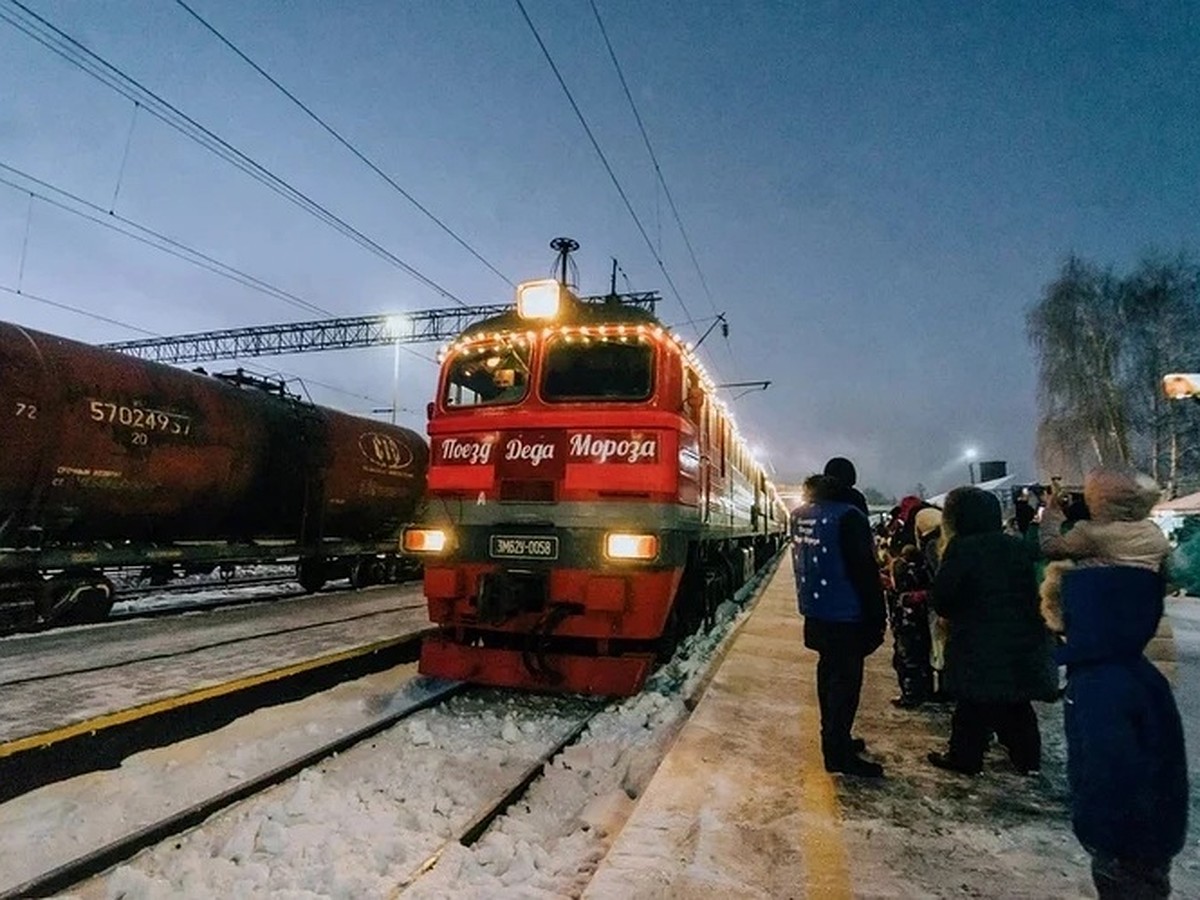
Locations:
(564, 496)
(589, 502)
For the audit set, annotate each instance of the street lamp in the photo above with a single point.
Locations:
(970, 455)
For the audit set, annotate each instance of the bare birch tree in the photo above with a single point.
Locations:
(1075, 329)
(1102, 344)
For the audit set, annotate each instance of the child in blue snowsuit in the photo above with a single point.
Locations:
(1125, 750)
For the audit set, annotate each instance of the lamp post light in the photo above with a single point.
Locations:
(396, 325)
(970, 455)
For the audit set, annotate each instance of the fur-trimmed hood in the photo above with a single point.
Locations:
(1115, 494)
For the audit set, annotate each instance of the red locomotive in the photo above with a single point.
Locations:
(590, 501)
(112, 461)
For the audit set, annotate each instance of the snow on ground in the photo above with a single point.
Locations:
(58, 822)
(204, 589)
(360, 824)
(357, 825)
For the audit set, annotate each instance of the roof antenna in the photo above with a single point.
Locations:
(564, 246)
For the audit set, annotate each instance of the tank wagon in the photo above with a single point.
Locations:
(590, 500)
(111, 461)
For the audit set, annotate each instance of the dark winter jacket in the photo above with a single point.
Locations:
(1125, 750)
(998, 649)
(859, 574)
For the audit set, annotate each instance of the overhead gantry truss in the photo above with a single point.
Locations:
(423, 326)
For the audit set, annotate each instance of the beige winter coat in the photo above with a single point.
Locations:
(1117, 534)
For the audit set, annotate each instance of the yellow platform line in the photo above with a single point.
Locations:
(155, 707)
(822, 842)
(827, 865)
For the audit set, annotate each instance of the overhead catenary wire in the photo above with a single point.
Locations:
(344, 142)
(114, 222)
(653, 156)
(604, 161)
(46, 301)
(168, 245)
(659, 173)
(25, 20)
(57, 304)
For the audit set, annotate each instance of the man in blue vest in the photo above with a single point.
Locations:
(841, 600)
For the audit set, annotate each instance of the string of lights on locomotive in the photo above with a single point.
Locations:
(583, 476)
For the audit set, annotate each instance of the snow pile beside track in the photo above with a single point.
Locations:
(361, 824)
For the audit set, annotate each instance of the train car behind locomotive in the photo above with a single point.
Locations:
(114, 461)
(590, 500)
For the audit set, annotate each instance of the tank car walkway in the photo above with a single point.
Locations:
(742, 805)
(60, 684)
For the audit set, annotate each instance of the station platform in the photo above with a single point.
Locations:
(742, 805)
(75, 682)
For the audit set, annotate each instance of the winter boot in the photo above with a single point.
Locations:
(854, 765)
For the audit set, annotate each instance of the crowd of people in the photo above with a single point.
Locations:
(983, 614)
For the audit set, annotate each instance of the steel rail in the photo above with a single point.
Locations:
(212, 645)
(473, 830)
(71, 873)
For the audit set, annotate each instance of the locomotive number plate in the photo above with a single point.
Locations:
(505, 546)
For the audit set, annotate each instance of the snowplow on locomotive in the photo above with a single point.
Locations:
(590, 500)
(111, 461)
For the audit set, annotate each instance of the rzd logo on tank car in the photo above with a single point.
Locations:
(385, 451)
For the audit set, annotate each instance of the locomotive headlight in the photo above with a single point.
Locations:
(425, 540)
(539, 299)
(618, 545)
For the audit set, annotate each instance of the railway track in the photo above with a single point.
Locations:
(157, 601)
(147, 590)
(477, 825)
(80, 700)
(69, 667)
(412, 803)
(76, 870)
(140, 601)
(173, 606)
(424, 695)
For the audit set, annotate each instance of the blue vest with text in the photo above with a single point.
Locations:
(823, 588)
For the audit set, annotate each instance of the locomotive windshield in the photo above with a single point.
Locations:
(488, 376)
(598, 368)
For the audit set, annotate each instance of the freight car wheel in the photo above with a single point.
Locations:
(311, 574)
(391, 570)
(361, 572)
(76, 598)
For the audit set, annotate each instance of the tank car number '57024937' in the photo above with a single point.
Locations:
(138, 417)
(111, 462)
(590, 501)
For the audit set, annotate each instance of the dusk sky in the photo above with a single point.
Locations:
(875, 192)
